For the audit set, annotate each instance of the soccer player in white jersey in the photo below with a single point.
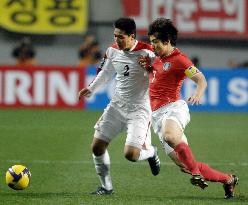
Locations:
(129, 108)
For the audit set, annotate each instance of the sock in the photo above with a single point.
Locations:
(185, 156)
(146, 153)
(102, 165)
(212, 175)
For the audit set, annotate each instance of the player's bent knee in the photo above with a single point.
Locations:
(172, 138)
(98, 148)
(131, 156)
(168, 136)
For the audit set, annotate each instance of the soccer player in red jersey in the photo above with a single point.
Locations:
(170, 114)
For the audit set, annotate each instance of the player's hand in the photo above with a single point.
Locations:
(145, 62)
(194, 100)
(84, 92)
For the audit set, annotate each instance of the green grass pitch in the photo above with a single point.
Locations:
(55, 146)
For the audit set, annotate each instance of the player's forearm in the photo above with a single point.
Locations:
(201, 86)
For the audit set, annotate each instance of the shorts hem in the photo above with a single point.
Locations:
(101, 136)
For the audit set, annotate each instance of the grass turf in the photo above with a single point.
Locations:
(55, 146)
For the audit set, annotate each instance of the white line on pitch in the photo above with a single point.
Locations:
(245, 164)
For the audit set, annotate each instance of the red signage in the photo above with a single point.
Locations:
(193, 18)
(40, 87)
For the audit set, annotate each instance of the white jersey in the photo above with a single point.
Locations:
(131, 80)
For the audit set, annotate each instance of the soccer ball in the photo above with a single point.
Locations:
(18, 177)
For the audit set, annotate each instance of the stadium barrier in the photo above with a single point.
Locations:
(40, 87)
(57, 87)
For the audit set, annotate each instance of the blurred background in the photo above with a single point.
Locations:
(76, 33)
(207, 28)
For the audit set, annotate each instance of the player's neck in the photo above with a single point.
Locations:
(131, 46)
(168, 53)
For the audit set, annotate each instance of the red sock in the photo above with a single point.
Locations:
(212, 175)
(185, 156)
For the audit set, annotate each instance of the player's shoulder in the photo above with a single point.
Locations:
(180, 55)
(114, 46)
(182, 58)
(112, 50)
(143, 46)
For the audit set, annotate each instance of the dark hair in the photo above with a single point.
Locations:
(24, 50)
(126, 24)
(164, 30)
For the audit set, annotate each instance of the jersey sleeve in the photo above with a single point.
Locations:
(149, 51)
(188, 67)
(151, 56)
(191, 71)
(105, 74)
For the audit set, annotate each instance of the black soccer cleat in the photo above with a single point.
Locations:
(102, 191)
(229, 188)
(198, 180)
(154, 162)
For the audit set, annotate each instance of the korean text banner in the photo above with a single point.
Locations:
(227, 91)
(193, 18)
(40, 87)
(44, 16)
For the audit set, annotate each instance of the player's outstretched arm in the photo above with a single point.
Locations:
(84, 92)
(201, 82)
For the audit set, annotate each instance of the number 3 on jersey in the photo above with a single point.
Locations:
(126, 72)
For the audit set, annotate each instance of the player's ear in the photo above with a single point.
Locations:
(166, 42)
(132, 35)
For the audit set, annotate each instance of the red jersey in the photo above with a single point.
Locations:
(167, 77)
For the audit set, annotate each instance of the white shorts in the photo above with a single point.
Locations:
(119, 116)
(177, 111)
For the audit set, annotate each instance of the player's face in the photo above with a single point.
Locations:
(160, 48)
(124, 41)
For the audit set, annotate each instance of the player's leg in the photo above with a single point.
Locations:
(136, 148)
(207, 172)
(151, 154)
(107, 127)
(213, 175)
(173, 136)
(229, 181)
(172, 154)
(169, 123)
(154, 161)
(138, 154)
(102, 165)
(172, 132)
(174, 158)
(138, 142)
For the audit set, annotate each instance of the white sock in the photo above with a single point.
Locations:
(102, 165)
(146, 153)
